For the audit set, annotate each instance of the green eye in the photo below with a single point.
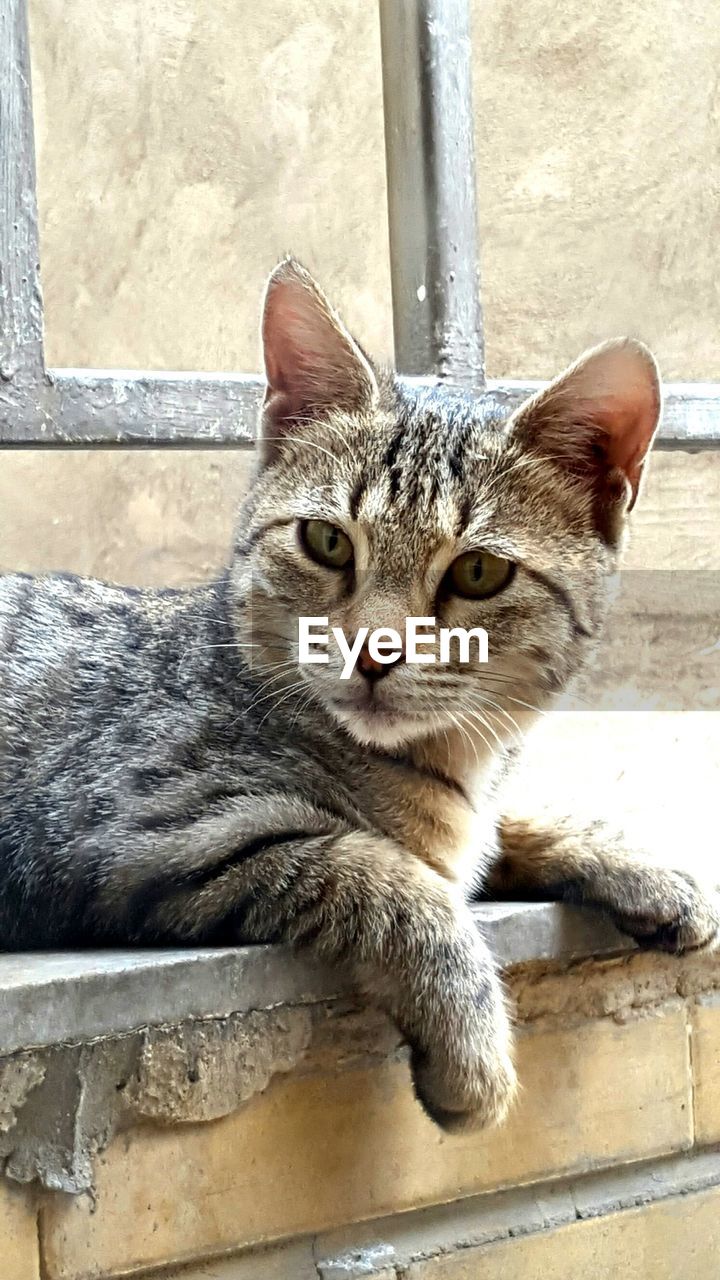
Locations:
(326, 543)
(478, 574)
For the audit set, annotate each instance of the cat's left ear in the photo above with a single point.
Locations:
(312, 363)
(598, 420)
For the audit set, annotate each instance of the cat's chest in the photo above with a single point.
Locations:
(450, 827)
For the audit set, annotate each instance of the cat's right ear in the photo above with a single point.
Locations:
(312, 364)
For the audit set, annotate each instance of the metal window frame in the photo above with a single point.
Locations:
(432, 211)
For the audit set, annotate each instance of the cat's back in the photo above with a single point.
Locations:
(53, 619)
(42, 620)
(58, 603)
(72, 649)
(63, 609)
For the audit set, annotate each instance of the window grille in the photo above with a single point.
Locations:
(437, 310)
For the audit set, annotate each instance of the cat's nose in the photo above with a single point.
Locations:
(370, 668)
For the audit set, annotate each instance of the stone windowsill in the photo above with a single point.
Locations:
(199, 1105)
(68, 998)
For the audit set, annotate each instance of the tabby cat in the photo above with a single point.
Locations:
(170, 773)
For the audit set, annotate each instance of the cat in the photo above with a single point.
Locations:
(171, 774)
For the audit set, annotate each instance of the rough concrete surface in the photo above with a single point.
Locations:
(50, 998)
(620, 988)
(18, 1077)
(61, 1105)
(319, 1149)
(206, 1070)
(398, 1242)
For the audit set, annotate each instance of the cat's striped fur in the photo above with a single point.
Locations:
(169, 774)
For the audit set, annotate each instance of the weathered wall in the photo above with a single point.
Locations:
(301, 1121)
(182, 146)
(148, 518)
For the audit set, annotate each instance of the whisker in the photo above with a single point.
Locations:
(288, 694)
(490, 702)
(476, 716)
(529, 706)
(471, 739)
(302, 706)
(229, 644)
(463, 732)
(265, 689)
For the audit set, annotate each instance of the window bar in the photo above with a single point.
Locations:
(432, 210)
(21, 338)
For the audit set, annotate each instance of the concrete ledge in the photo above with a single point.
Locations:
(69, 998)
(291, 1119)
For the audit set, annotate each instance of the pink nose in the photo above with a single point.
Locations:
(370, 668)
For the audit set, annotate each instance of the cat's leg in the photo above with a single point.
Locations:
(404, 931)
(660, 908)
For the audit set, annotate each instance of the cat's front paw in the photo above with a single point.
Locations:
(469, 1084)
(462, 1104)
(668, 911)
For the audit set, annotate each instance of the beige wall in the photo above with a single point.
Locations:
(148, 518)
(166, 517)
(183, 145)
(599, 145)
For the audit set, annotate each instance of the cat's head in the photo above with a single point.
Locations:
(373, 503)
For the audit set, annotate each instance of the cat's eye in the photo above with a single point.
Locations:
(326, 543)
(479, 574)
